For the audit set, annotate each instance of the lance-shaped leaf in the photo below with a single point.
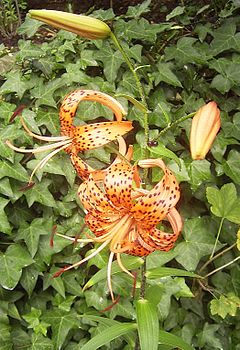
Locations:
(109, 334)
(148, 325)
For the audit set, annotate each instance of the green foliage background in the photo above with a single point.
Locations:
(183, 63)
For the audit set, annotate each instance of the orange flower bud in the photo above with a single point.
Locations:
(205, 126)
(85, 26)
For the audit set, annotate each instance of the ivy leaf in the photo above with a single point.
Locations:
(225, 305)
(137, 10)
(29, 278)
(165, 74)
(41, 194)
(4, 224)
(161, 151)
(31, 233)
(39, 342)
(27, 50)
(5, 338)
(199, 242)
(140, 29)
(33, 319)
(11, 264)
(199, 171)
(225, 38)
(231, 166)
(208, 337)
(50, 119)
(45, 251)
(56, 283)
(15, 83)
(179, 10)
(44, 92)
(112, 61)
(5, 187)
(61, 323)
(9, 132)
(29, 27)
(16, 171)
(185, 52)
(224, 202)
(6, 111)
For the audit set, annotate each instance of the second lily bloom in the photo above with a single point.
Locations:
(205, 126)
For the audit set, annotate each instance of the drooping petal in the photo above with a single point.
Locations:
(118, 184)
(82, 168)
(133, 245)
(91, 136)
(93, 199)
(152, 207)
(100, 227)
(70, 103)
(161, 240)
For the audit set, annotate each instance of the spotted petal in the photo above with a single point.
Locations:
(93, 199)
(91, 136)
(152, 207)
(70, 103)
(161, 240)
(118, 184)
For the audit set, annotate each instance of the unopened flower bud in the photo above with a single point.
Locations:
(205, 126)
(85, 26)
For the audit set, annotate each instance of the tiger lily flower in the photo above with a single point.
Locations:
(85, 26)
(125, 217)
(75, 139)
(205, 126)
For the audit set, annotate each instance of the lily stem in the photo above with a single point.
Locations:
(138, 83)
(178, 121)
(218, 234)
(222, 267)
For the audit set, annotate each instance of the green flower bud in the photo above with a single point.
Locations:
(85, 26)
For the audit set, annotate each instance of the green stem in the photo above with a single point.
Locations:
(217, 256)
(143, 278)
(218, 234)
(138, 84)
(222, 267)
(180, 120)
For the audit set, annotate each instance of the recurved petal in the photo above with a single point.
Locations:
(93, 199)
(118, 184)
(98, 226)
(91, 136)
(72, 100)
(152, 207)
(82, 168)
(161, 240)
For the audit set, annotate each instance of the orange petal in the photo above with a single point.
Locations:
(82, 168)
(118, 184)
(152, 207)
(93, 199)
(161, 240)
(71, 101)
(98, 226)
(91, 136)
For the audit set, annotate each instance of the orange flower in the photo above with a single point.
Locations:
(85, 26)
(126, 218)
(205, 126)
(75, 139)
